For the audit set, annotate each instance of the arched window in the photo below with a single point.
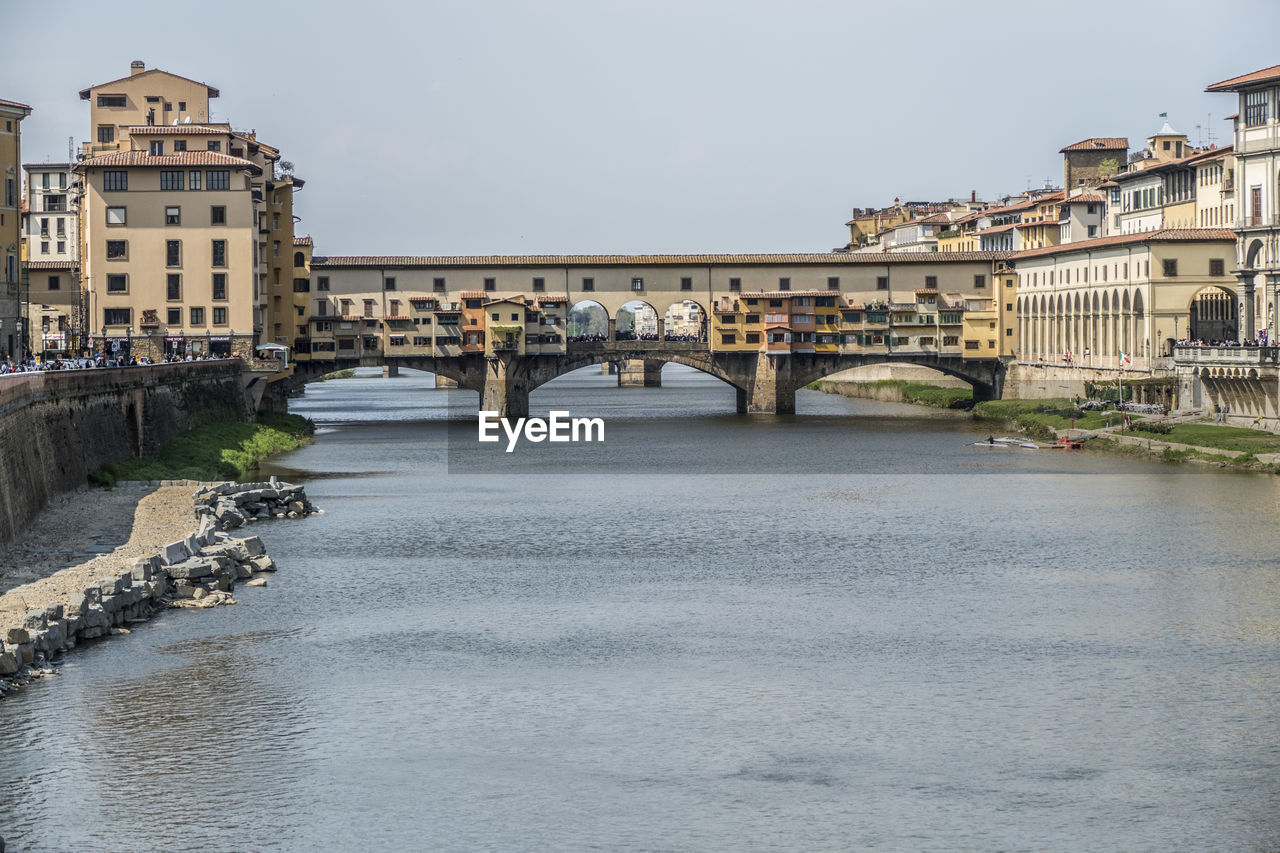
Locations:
(299, 260)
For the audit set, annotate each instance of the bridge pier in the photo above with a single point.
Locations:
(444, 382)
(389, 370)
(773, 389)
(504, 391)
(640, 373)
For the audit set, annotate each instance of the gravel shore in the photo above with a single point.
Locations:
(86, 535)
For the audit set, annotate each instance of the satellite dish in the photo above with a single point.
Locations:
(175, 122)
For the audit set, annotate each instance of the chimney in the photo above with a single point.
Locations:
(137, 67)
(973, 196)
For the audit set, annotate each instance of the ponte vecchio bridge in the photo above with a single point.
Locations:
(769, 324)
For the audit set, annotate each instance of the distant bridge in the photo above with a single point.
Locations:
(765, 382)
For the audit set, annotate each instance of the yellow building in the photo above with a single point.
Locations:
(146, 98)
(187, 225)
(11, 334)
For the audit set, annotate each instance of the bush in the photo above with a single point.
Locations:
(218, 450)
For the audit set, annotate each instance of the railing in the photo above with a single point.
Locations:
(1226, 355)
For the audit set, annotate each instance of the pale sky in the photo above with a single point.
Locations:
(635, 126)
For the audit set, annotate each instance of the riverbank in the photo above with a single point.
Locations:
(216, 450)
(179, 552)
(1183, 437)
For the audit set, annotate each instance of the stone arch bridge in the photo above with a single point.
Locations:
(765, 382)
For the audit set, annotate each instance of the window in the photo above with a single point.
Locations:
(970, 344)
(437, 284)
(115, 180)
(686, 284)
(784, 284)
(1008, 333)
(1216, 266)
(299, 259)
(195, 179)
(275, 222)
(173, 286)
(219, 285)
(735, 285)
(217, 215)
(539, 284)
(220, 316)
(157, 147)
(1170, 267)
(44, 247)
(44, 227)
(275, 248)
(931, 282)
(322, 282)
(62, 180)
(179, 145)
(197, 316)
(173, 316)
(44, 180)
(111, 101)
(182, 106)
(106, 133)
(882, 282)
(117, 284)
(395, 307)
(728, 338)
(219, 254)
(55, 283)
(490, 284)
(637, 284)
(117, 316)
(172, 253)
(173, 216)
(1255, 108)
(117, 249)
(215, 145)
(588, 284)
(753, 337)
(62, 227)
(1093, 230)
(833, 282)
(368, 307)
(979, 282)
(219, 179)
(494, 315)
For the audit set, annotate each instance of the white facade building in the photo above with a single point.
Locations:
(1257, 188)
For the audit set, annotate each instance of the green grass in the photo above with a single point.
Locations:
(1250, 441)
(1039, 416)
(919, 393)
(218, 450)
(338, 374)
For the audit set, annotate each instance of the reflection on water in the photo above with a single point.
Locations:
(872, 639)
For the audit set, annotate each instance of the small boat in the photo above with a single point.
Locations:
(1007, 443)
(1067, 443)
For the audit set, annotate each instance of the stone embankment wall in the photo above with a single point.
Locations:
(57, 426)
(198, 571)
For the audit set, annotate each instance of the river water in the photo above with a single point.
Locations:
(842, 630)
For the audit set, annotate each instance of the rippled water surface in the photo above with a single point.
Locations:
(842, 630)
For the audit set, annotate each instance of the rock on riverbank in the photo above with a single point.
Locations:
(40, 621)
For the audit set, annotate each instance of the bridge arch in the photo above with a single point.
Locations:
(587, 319)
(701, 361)
(644, 320)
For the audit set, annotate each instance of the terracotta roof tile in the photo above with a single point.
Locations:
(1265, 75)
(46, 165)
(302, 241)
(466, 294)
(1097, 143)
(186, 158)
(1084, 198)
(1167, 235)
(49, 265)
(796, 259)
(14, 104)
(178, 130)
(550, 300)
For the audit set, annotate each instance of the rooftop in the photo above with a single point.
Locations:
(1098, 143)
(186, 158)
(84, 93)
(724, 260)
(1167, 235)
(1245, 81)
